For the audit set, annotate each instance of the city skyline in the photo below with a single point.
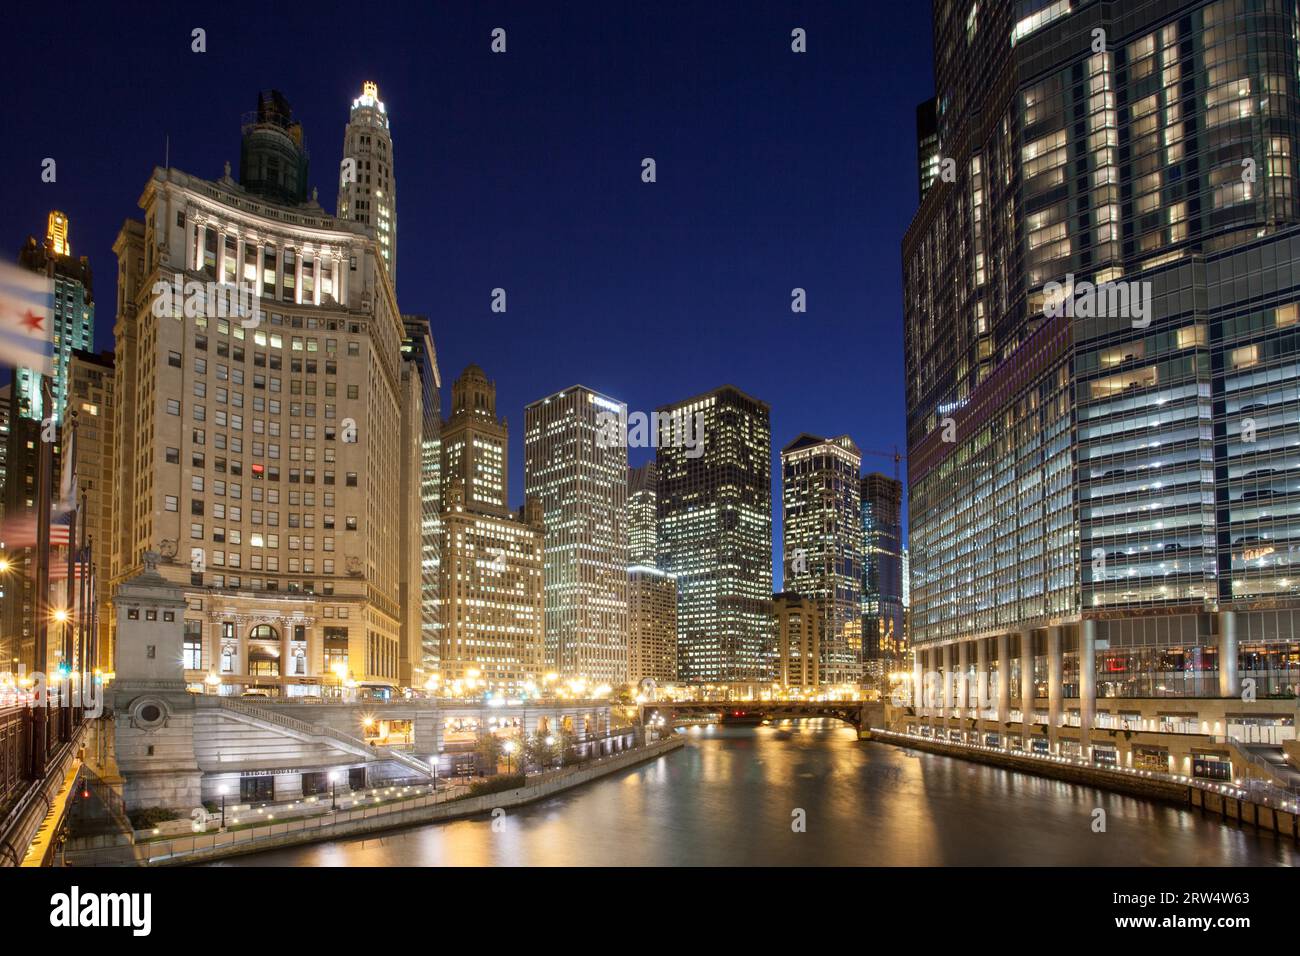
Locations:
(474, 221)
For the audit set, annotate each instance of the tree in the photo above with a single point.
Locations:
(488, 750)
(539, 750)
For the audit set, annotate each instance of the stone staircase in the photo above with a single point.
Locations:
(274, 719)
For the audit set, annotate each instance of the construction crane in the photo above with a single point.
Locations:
(895, 454)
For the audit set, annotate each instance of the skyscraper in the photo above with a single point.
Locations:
(927, 146)
(798, 622)
(582, 485)
(651, 593)
(491, 573)
(1101, 363)
(642, 517)
(258, 453)
(652, 624)
(74, 315)
(882, 573)
(715, 537)
(822, 533)
(418, 349)
(368, 187)
(88, 456)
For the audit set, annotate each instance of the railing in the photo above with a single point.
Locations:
(29, 736)
(15, 757)
(323, 824)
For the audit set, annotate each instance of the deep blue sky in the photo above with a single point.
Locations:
(522, 171)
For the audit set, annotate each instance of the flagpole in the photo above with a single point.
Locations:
(69, 591)
(82, 557)
(45, 477)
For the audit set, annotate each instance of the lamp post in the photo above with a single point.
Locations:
(222, 790)
(334, 798)
(509, 748)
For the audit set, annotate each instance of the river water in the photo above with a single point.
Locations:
(735, 795)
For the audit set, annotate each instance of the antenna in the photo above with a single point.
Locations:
(167, 153)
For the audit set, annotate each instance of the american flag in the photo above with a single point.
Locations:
(19, 530)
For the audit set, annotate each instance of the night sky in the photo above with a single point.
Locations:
(523, 171)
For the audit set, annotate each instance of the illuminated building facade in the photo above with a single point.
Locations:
(651, 593)
(642, 516)
(821, 529)
(582, 485)
(368, 189)
(652, 624)
(258, 453)
(882, 573)
(715, 537)
(490, 561)
(798, 622)
(74, 315)
(1098, 504)
(88, 454)
(418, 349)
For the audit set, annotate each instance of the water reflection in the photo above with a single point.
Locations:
(727, 798)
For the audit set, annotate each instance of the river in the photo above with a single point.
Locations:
(732, 796)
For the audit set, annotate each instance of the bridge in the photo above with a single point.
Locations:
(858, 714)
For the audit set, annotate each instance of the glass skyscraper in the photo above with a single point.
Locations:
(74, 315)
(1102, 373)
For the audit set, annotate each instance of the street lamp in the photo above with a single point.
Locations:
(334, 798)
(509, 748)
(222, 790)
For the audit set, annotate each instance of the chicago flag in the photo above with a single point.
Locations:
(26, 319)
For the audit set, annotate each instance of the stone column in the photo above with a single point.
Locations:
(981, 674)
(963, 678)
(1229, 678)
(286, 655)
(1027, 693)
(918, 675)
(947, 682)
(1087, 681)
(1004, 679)
(1054, 681)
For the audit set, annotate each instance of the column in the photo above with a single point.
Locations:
(947, 682)
(918, 675)
(213, 661)
(1229, 678)
(981, 675)
(963, 678)
(1027, 680)
(1054, 681)
(191, 245)
(1004, 679)
(316, 270)
(286, 654)
(1087, 682)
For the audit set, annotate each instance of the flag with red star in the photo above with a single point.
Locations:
(26, 319)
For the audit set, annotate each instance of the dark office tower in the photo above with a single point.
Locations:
(821, 523)
(927, 146)
(715, 535)
(882, 574)
(272, 159)
(642, 514)
(419, 351)
(1101, 362)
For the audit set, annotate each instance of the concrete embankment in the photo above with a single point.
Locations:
(201, 848)
(1225, 806)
